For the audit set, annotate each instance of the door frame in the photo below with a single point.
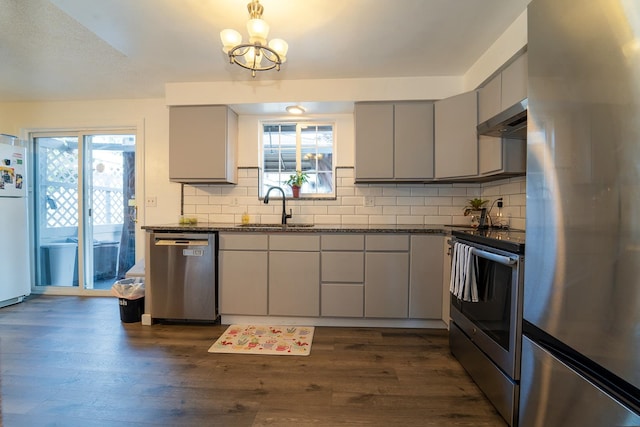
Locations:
(28, 135)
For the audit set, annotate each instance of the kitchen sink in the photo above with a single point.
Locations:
(256, 225)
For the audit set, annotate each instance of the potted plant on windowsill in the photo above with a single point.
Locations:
(474, 208)
(295, 182)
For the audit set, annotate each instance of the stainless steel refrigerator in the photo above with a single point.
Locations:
(581, 346)
(14, 231)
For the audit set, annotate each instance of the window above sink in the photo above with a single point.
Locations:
(307, 146)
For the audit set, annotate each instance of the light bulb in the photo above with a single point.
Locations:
(230, 38)
(258, 31)
(251, 55)
(281, 47)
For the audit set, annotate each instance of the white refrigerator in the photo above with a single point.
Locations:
(15, 281)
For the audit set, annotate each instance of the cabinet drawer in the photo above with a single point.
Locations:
(342, 267)
(342, 242)
(388, 242)
(291, 242)
(243, 241)
(342, 300)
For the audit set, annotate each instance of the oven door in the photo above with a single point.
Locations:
(493, 323)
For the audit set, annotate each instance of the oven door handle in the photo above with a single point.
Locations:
(494, 257)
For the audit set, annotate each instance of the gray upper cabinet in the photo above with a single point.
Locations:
(374, 141)
(504, 90)
(514, 82)
(489, 99)
(496, 155)
(203, 144)
(394, 141)
(456, 137)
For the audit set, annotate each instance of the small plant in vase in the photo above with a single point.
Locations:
(474, 205)
(295, 182)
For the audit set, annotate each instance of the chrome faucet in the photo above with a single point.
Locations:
(284, 210)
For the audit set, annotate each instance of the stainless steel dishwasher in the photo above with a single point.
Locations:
(182, 276)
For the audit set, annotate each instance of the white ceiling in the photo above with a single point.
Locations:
(107, 49)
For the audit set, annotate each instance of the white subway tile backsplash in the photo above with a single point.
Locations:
(438, 201)
(396, 210)
(424, 191)
(313, 210)
(352, 201)
(196, 200)
(403, 219)
(400, 203)
(424, 210)
(452, 191)
(341, 210)
(395, 191)
(327, 219)
(410, 201)
(382, 219)
(382, 201)
(366, 210)
(354, 219)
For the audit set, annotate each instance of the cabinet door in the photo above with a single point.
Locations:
(490, 154)
(456, 138)
(386, 290)
(294, 283)
(413, 142)
(425, 281)
(202, 141)
(374, 141)
(490, 99)
(243, 290)
(514, 82)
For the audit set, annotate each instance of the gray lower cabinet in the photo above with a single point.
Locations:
(425, 294)
(294, 275)
(350, 275)
(386, 280)
(243, 273)
(342, 275)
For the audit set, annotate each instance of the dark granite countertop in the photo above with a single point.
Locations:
(204, 227)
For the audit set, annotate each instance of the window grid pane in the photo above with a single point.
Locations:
(280, 147)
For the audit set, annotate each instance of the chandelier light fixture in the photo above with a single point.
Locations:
(256, 55)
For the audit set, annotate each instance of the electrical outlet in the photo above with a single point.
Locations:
(151, 201)
(369, 201)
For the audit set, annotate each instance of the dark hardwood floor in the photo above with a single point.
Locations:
(69, 361)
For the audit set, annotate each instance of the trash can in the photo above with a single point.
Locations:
(130, 293)
(59, 264)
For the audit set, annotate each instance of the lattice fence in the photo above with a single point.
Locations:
(61, 184)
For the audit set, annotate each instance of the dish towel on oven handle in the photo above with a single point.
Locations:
(463, 284)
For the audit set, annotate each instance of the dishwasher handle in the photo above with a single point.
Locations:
(182, 242)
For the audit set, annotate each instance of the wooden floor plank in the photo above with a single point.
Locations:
(71, 360)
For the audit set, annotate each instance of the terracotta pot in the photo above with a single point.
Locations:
(296, 191)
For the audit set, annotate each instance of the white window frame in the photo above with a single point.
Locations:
(298, 123)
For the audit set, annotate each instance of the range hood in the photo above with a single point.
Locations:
(511, 123)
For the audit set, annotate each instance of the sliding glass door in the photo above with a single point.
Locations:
(84, 204)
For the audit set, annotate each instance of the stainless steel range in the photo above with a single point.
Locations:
(485, 335)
